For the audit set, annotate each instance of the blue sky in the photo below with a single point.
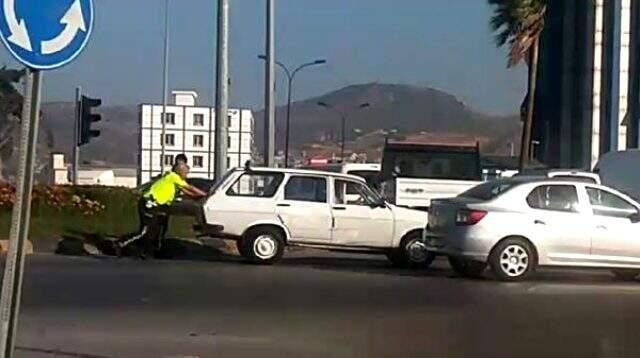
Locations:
(444, 44)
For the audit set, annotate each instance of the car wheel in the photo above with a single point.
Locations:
(411, 253)
(263, 246)
(512, 260)
(467, 268)
(626, 275)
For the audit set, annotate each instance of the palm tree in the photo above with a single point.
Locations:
(519, 24)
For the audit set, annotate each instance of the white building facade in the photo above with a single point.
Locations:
(190, 129)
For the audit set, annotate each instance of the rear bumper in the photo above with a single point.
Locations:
(461, 245)
(207, 229)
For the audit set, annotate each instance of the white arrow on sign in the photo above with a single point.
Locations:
(74, 21)
(19, 34)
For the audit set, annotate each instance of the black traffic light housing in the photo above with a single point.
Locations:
(87, 118)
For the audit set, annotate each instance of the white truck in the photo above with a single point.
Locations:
(413, 174)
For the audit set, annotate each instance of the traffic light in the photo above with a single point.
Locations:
(87, 118)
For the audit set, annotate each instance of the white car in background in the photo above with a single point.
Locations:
(266, 209)
(515, 225)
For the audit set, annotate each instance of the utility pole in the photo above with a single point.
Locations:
(165, 85)
(222, 90)
(269, 96)
(76, 137)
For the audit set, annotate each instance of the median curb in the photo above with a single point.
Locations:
(4, 247)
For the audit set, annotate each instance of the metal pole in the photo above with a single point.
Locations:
(76, 136)
(222, 90)
(344, 125)
(14, 267)
(165, 85)
(287, 129)
(269, 100)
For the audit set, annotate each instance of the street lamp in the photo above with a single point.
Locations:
(290, 76)
(343, 118)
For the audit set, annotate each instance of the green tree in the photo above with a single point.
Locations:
(519, 24)
(10, 111)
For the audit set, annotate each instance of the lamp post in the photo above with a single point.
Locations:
(290, 77)
(165, 83)
(343, 118)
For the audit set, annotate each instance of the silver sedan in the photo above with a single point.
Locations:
(518, 224)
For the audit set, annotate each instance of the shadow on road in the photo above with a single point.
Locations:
(361, 265)
(57, 353)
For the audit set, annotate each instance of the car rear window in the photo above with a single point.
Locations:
(257, 185)
(489, 190)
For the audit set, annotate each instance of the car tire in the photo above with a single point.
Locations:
(626, 274)
(512, 259)
(467, 268)
(263, 246)
(411, 253)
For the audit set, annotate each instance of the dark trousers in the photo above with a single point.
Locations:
(153, 221)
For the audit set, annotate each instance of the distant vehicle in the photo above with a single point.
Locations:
(370, 172)
(581, 175)
(515, 225)
(413, 174)
(621, 170)
(266, 209)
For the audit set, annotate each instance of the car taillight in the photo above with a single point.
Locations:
(469, 217)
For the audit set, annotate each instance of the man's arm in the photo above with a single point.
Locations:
(194, 192)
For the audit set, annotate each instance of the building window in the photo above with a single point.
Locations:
(228, 142)
(197, 161)
(170, 139)
(170, 118)
(198, 120)
(198, 141)
(168, 159)
(228, 162)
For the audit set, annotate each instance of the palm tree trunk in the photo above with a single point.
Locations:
(525, 146)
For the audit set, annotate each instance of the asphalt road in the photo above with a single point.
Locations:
(317, 305)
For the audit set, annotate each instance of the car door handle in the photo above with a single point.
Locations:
(539, 222)
(283, 205)
(339, 208)
(601, 227)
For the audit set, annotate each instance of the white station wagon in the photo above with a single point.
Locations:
(266, 209)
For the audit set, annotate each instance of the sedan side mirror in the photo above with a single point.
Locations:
(635, 218)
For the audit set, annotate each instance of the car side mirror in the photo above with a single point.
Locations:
(635, 218)
(379, 204)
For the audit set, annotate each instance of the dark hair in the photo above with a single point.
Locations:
(181, 157)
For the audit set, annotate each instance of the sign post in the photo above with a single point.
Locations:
(45, 36)
(14, 267)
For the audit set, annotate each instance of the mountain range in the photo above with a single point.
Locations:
(406, 109)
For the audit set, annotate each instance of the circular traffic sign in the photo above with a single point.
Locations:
(46, 34)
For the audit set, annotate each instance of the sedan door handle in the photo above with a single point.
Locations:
(339, 208)
(283, 205)
(539, 222)
(601, 227)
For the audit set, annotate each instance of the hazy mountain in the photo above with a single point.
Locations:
(408, 109)
(118, 141)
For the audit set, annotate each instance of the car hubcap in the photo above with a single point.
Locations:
(265, 247)
(417, 251)
(514, 260)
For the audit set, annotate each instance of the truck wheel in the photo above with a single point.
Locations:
(411, 253)
(467, 268)
(262, 246)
